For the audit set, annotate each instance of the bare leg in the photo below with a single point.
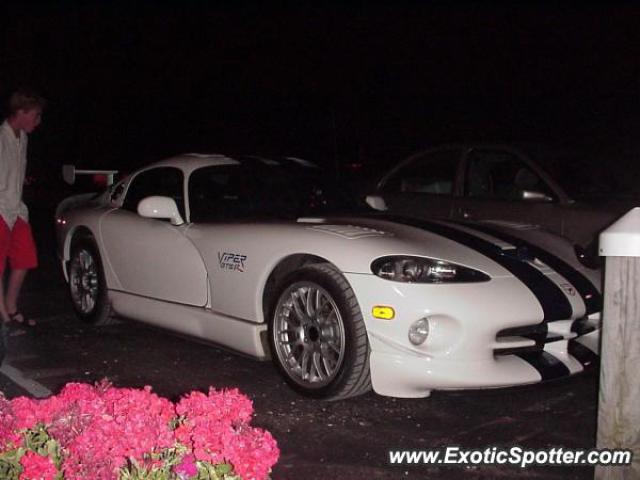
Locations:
(16, 279)
(3, 308)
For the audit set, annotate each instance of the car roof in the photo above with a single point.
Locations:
(192, 161)
(188, 162)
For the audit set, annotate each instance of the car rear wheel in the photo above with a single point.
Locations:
(87, 286)
(317, 335)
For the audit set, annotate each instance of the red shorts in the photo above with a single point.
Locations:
(17, 245)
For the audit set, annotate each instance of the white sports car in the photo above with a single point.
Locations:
(242, 252)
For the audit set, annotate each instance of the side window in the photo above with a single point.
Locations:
(501, 175)
(116, 192)
(164, 181)
(219, 193)
(433, 173)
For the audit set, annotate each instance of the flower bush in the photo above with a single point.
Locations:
(103, 432)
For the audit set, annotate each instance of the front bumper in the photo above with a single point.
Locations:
(406, 376)
(464, 348)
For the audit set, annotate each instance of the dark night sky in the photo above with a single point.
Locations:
(130, 83)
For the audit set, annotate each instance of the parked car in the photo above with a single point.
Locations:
(249, 253)
(491, 183)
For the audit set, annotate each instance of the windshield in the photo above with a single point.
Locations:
(588, 177)
(242, 192)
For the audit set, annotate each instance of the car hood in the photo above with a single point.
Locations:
(465, 243)
(529, 254)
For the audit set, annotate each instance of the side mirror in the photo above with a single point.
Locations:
(533, 196)
(376, 202)
(160, 207)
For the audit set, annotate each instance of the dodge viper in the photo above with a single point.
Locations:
(273, 259)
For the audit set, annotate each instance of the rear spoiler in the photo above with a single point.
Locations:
(69, 173)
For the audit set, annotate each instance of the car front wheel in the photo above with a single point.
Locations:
(317, 335)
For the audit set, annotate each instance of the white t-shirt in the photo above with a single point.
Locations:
(13, 164)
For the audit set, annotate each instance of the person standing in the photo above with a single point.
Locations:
(17, 247)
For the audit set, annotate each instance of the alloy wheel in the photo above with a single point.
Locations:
(309, 335)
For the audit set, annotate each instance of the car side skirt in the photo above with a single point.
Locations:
(234, 333)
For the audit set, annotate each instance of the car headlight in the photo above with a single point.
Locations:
(424, 270)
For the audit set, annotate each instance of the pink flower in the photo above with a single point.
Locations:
(227, 406)
(187, 468)
(37, 467)
(208, 418)
(8, 432)
(216, 429)
(252, 452)
(129, 424)
(100, 429)
(26, 412)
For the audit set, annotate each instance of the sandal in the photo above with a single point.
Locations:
(19, 317)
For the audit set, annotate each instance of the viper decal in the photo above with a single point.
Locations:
(231, 261)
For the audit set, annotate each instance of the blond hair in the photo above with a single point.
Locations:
(25, 99)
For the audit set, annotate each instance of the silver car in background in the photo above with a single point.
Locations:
(492, 183)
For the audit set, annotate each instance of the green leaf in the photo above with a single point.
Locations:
(224, 469)
(52, 448)
(220, 471)
(176, 421)
(36, 439)
(10, 469)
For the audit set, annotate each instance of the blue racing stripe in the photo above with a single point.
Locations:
(584, 355)
(587, 290)
(548, 366)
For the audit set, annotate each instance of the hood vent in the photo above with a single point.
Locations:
(350, 232)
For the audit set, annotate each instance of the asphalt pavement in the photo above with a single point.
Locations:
(319, 440)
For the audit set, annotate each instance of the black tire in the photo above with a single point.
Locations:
(330, 334)
(87, 284)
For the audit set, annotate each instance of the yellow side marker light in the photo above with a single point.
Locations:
(383, 312)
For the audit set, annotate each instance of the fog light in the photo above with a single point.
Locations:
(383, 312)
(419, 331)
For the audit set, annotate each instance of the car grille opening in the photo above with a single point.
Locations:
(582, 326)
(509, 341)
(537, 333)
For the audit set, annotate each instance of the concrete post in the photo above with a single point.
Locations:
(619, 399)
